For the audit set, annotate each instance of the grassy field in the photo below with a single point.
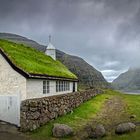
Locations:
(109, 108)
(77, 119)
(33, 61)
(132, 107)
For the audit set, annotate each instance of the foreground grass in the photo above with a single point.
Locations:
(133, 102)
(88, 111)
(132, 108)
(77, 119)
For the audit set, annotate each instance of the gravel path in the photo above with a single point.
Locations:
(112, 113)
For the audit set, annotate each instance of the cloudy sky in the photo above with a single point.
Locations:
(106, 33)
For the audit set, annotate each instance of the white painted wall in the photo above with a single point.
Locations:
(51, 53)
(11, 82)
(76, 86)
(35, 88)
(13, 87)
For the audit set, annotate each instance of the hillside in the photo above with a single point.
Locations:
(129, 80)
(21, 39)
(87, 75)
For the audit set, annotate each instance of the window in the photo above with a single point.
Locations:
(62, 86)
(46, 87)
(68, 86)
(57, 86)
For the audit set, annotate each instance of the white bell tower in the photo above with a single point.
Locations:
(50, 50)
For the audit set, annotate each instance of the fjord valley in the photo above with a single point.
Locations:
(69, 70)
(128, 81)
(85, 117)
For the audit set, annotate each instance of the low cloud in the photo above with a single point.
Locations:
(104, 32)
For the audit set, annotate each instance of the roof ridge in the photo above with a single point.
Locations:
(19, 70)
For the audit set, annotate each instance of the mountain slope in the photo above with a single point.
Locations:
(87, 75)
(21, 39)
(129, 80)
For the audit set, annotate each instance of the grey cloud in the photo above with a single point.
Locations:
(103, 32)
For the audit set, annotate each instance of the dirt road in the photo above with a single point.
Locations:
(112, 113)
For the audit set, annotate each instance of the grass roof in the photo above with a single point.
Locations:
(33, 61)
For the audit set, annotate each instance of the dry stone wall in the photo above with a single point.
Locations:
(37, 112)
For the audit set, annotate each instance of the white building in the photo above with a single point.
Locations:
(17, 83)
(50, 50)
(14, 80)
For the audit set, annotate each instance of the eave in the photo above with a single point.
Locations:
(32, 75)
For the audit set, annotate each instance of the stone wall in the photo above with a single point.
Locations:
(37, 112)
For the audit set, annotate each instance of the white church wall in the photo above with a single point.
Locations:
(35, 88)
(76, 86)
(51, 53)
(11, 82)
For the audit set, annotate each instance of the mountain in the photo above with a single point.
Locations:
(87, 75)
(128, 81)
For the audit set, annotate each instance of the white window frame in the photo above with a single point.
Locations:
(62, 86)
(46, 87)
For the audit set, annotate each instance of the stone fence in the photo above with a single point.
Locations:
(37, 112)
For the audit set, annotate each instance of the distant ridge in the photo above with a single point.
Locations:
(128, 81)
(88, 76)
(21, 39)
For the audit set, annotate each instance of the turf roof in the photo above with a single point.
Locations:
(33, 61)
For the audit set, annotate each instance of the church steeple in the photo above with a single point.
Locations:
(50, 50)
(50, 38)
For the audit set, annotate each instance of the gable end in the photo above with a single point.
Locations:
(32, 75)
(13, 65)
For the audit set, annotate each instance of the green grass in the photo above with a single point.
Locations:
(133, 102)
(87, 112)
(33, 61)
(77, 119)
(133, 108)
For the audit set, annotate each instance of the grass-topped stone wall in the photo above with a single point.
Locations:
(37, 112)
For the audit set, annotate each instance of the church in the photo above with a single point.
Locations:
(33, 74)
(26, 73)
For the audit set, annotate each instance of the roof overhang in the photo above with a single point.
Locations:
(33, 75)
(44, 76)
